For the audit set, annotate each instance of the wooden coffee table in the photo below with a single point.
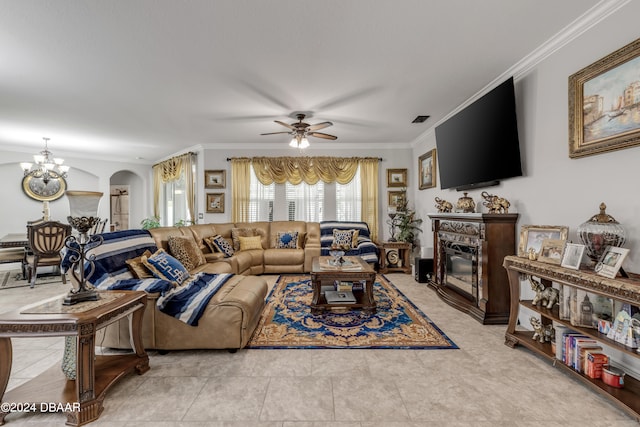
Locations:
(321, 273)
(80, 399)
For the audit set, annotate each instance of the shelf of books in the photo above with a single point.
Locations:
(580, 338)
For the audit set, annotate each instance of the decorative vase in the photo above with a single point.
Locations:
(600, 231)
(466, 204)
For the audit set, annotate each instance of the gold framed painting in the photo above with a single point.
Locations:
(396, 198)
(215, 202)
(552, 251)
(427, 170)
(532, 236)
(215, 179)
(603, 104)
(396, 177)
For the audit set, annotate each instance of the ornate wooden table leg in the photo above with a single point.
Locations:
(6, 358)
(316, 285)
(368, 291)
(135, 328)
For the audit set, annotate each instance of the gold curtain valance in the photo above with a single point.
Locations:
(171, 169)
(307, 169)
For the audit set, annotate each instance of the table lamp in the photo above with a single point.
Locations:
(83, 215)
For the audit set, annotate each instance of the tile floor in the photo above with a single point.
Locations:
(484, 383)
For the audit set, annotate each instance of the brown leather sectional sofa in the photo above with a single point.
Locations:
(233, 313)
(267, 260)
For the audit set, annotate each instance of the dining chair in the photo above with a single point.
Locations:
(46, 240)
(99, 227)
(15, 255)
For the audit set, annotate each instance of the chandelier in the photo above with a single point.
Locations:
(46, 167)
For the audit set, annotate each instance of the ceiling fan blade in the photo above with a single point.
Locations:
(322, 135)
(274, 133)
(284, 124)
(319, 126)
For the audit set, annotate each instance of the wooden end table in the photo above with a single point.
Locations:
(321, 272)
(81, 399)
(394, 257)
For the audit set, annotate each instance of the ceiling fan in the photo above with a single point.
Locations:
(300, 130)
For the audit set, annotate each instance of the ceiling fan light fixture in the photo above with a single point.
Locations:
(304, 142)
(293, 143)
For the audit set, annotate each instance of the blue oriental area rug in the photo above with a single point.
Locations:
(287, 321)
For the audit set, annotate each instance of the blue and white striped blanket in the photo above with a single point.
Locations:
(366, 249)
(186, 303)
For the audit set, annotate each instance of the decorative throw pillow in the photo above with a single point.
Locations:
(247, 243)
(236, 233)
(342, 239)
(137, 267)
(220, 244)
(164, 266)
(354, 238)
(186, 250)
(287, 240)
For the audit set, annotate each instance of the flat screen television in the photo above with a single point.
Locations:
(479, 145)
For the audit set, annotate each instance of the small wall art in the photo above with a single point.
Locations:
(215, 202)
(427, 170)
(215, 179)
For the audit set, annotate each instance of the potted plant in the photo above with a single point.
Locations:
(407, 223)
(151, 222)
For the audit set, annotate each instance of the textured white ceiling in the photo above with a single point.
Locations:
(150, 78)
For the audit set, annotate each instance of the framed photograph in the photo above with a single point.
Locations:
(215, 179)
(551, 251)
(603, 111)
(532, 236)
(396, 198)
(572, 257)
(427, 170)
(611, 261)
(215, 202)
(396, 177)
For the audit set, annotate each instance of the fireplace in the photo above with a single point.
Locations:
(461, 269)
(468, 253)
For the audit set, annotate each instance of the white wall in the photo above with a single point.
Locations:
(16, 208)
(557, 190)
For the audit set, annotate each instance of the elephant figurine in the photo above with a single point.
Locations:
(548, 296)
(495, 204)
(443, 206)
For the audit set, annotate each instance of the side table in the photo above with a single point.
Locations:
(81, 399)
(394, 257)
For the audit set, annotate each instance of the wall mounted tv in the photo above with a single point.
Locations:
(479, 146)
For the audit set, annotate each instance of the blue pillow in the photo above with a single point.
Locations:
(222, 245)
(287, 240)
(166, 267)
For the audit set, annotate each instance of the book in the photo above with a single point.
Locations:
(561, 332)
(325, 288)
(339, 297)
(584, 350)
(594, 361)
(343, 286)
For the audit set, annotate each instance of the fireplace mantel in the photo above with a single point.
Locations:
(489, 238)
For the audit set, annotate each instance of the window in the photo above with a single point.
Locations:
(304, 202)
(349, 200)
(174, 202)
(261, 198)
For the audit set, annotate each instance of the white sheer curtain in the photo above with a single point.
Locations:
(349, 200)
(305, 202)
(261, 200)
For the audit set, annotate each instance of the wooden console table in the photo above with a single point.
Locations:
(620, 289)
(95, 374)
